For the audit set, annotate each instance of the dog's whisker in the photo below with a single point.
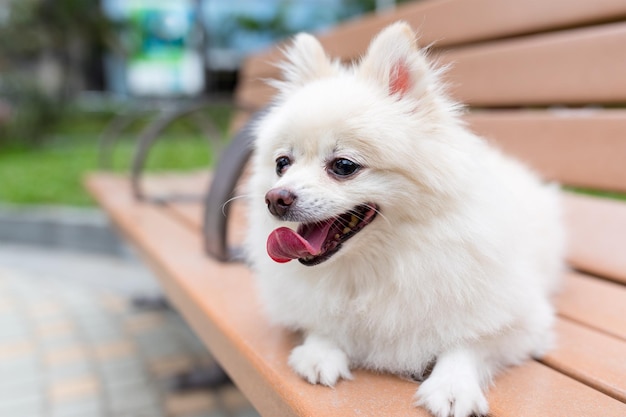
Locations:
(378, 212)
(230, 200)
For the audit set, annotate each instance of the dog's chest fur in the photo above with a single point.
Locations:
(386, 312)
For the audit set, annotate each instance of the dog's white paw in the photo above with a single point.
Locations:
(452, 397)
(319, 362)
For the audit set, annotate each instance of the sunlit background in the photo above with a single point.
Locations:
(68, 68)
(84, 328)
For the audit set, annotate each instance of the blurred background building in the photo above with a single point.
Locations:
(149, 47)
(185, 46)
(56, 55)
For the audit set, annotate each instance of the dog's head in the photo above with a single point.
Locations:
(347, 150)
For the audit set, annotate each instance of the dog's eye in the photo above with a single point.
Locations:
(282, 163)
(344, 167)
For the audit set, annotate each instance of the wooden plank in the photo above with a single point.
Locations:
(454, 22)
(596, 231)
(596, 227)
(254, 94)
(571, 67)
(239, 119)
(532, 391)
(220, 303)
(597, 236)
(597, 242)
(590, 144)
(191, 213)
(188, 185)
(192, 184)
(585, 148)
(595, 303)
(591, 357)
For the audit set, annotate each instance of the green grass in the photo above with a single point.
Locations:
(597, 193)
(52, 173)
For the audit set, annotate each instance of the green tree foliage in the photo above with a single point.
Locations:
(58, 36)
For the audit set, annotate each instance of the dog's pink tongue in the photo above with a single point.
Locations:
(284, 244)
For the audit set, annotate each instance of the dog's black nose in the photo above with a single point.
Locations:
(279, 200)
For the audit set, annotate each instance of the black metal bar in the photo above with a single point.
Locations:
(146, 139)
(225, 178)
(111, 134)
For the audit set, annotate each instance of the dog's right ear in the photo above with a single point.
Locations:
(305, 61)
(394, 60)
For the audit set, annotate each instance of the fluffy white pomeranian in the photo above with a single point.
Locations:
(391, 236)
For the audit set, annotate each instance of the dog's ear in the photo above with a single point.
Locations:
(305, 61)
(394, 61)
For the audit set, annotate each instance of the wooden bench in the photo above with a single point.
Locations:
(545, 81)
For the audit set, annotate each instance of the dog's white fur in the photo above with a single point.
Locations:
(462, 258)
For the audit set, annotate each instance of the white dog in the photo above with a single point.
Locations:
(411, 241)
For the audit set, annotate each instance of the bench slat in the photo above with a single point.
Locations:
(596, 226)
(597, 236)
(219, 301)
(589, 356)
(454, 22)
(192, 213)
(596, 303)
(528, 391)
(571, 67)
(584, 148)
(254, 94)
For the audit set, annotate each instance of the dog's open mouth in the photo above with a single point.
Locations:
(314, 243)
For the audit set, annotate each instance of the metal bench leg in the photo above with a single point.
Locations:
(146, 139)
(226, 175)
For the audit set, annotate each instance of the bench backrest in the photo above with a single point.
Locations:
(545, 80)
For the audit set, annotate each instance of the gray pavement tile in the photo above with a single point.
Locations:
(58, 341)
(146, 412)
(48, 320)
(249, 412)
(119, 362)
(88, 317)
(159, 344)
(12, 326)
(102, 332)
(8, 380)
(32, 406)
(20, 370)
(84, 407)
(61, 303)
(216, 413)
(122, 372)
(70, 371)
(126, 275)
(132, 397)
(75, 299)
(22, 391)
(76, 413)
(188, 337)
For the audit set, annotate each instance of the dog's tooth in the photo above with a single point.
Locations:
(337, 236)
(346, 230)
(353, 221)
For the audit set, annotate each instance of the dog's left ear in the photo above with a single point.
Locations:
(395, 62)
(305, 61)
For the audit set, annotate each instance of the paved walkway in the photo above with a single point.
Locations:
(73, 345)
